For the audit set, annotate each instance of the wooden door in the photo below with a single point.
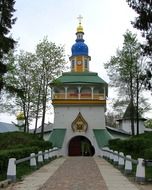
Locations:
(75, 147)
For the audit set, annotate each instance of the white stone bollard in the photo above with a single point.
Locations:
(32, 160)
(103, 152)
(140, 171)
(121, 161)
(40, 157)
(107, 154)
(128, 165)
(54, 151)
(46, 155)
(11, 169)
(115, 159)
(50, 153)
(111, 155)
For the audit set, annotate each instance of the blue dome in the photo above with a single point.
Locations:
(79, 48)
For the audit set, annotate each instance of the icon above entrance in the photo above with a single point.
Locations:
(79, 124)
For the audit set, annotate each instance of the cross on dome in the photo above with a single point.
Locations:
(79, 28)
(79, 18)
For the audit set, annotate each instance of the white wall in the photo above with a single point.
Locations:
(93, 115)
(126, 126)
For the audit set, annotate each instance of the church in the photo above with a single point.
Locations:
(79, 101)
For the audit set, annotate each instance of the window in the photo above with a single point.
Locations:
(86, 63)
(73, 64)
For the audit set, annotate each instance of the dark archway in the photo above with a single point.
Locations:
(80, 146)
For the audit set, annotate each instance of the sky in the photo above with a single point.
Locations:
(104, 23)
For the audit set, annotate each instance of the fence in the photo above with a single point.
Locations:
(41, 157)
(126, 163)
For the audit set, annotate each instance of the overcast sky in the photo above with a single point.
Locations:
(104, 23)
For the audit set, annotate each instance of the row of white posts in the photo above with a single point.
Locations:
(41, 157)
(125, 162)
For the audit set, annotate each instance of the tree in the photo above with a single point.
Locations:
(19, 75)
(51, 58)
(126, 74)
(143, 21)
(32, 74)
(6, 42)
(148, 123)
(111, 119)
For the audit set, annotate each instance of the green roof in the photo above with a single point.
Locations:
(83, 77)
(102, 137)
(57, 137)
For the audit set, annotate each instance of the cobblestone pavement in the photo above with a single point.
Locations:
(76, 173)
(113, 177)
(35, 180)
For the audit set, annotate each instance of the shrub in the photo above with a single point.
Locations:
(43, 145)
(16, 153)
(134, 146)
(148, 153)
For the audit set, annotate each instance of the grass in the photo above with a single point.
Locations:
(148, 173)
(19, 141)
(3, 176)
(23, 169)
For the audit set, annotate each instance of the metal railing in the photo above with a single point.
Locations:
(41, 157)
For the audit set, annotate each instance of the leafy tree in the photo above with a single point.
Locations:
(51, 58)
(143, 21)
(111, 119)
(148, 123)
(19, 76)
(125, 71)
(32, 73)
(6, 42)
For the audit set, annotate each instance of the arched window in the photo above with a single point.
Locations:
(59, 92)
(72, 92)
(85, 92)
(98, 92)
(73, 62)
(86, 63)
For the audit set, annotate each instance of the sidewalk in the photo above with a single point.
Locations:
(115, 180)
(113, 177)
(37, 178)
(77, 173)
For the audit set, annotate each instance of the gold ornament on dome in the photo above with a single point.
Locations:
(79, 124)
(79, 28)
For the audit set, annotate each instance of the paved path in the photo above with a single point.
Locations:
(77, 173)
(37, 178)
(113, 177)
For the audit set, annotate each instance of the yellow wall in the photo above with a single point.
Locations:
(79, 67)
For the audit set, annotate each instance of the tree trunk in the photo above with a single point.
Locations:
(43, 118)
(44, 105)
(37, 111)
(132, 106)
(24, 116)
(137, 111)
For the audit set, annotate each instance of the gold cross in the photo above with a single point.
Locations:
(79, 18)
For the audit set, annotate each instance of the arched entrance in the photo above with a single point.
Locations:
(80, 146)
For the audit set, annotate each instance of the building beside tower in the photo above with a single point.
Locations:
(79, 100)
